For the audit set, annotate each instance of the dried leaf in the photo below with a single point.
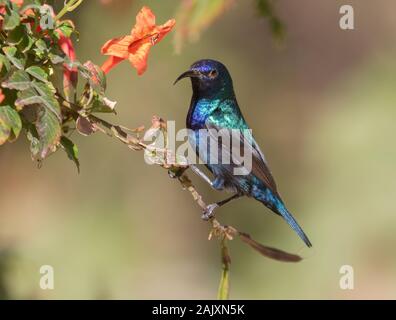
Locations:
(84, 126)
(269, 252)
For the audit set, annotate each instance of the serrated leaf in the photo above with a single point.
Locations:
(47, 93)
(27, 97)
(71, 150)
(16, 58)
(19, 80)
(38, 73)
(40, 93)
(49, 133)
(10, 124)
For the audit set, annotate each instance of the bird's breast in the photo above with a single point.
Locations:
(199, 111)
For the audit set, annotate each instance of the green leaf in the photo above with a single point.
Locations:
(48, 133)
(27, 97)
(223, 291)
(19, 80)
(5, 65)
(47, 93)
(26, 43)
(40, 93)
(56, 56)
(41, 45)
(10, 124)
(15, 36)
(71, 150)
(41, 49)
(11, 17)
(38, 73)
(55, 59)
(67, 28)
(16, 58)
(102, 104)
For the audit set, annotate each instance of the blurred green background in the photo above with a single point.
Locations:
(323, 108)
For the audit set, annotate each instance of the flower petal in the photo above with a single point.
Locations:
(136, 46)
(2, 97)
(110, 63)
(139, 50)
(117, 47)
(139, 54)
(145, 23)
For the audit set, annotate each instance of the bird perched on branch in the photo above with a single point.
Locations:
(214, 110)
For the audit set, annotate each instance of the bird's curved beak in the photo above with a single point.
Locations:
(187, 74)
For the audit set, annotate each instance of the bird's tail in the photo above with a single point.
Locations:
(293, 223)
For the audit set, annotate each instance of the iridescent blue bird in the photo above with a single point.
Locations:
(214, 107)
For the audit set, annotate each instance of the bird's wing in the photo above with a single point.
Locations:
(224, 120)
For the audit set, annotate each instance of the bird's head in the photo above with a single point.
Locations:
(209, 78)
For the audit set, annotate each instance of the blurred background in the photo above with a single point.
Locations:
(322, 107)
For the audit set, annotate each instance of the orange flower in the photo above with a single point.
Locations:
(2, 97)
(136, 46)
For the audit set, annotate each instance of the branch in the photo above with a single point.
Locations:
(178, 170)
(164, 157)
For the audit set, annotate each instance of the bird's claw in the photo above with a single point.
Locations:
(208, 212)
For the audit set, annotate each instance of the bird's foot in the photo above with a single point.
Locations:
(208, 213)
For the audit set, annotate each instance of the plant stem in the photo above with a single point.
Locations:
(69, 7)
(224, 286)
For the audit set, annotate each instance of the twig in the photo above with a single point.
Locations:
(177, 170)
(68, 7)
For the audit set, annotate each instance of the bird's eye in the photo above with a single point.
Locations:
(212, 74)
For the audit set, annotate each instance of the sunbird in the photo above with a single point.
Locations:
(214, 108)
